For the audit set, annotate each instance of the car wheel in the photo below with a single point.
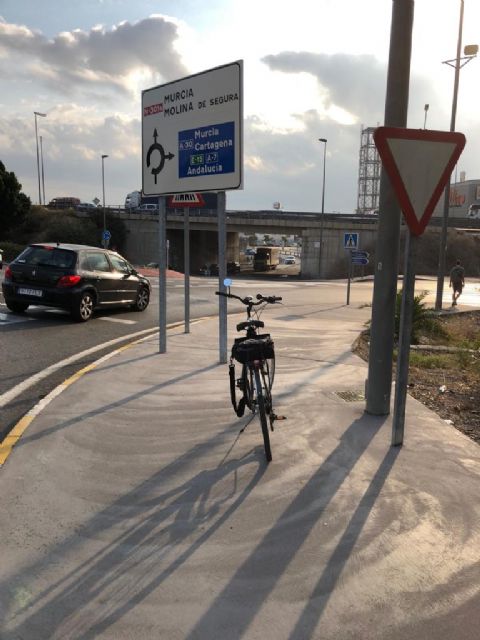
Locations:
(83, 309)
(142, 300)
(16, 307)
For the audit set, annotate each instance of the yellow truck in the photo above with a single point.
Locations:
(266, 258)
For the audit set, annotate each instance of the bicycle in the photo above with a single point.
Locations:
(255, 352)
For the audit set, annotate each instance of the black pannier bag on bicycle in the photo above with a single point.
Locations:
(246, 350)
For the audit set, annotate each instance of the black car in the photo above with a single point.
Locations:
(73, 277)
(212, 270)
(233, 268)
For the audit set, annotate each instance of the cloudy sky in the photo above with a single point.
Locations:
(312, 69)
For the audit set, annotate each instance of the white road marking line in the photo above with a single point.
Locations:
(10, 318)
(120, 320)
(8, 396)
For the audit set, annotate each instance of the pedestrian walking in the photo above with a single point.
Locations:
(457, 282)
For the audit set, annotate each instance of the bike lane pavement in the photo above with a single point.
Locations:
(137, 507)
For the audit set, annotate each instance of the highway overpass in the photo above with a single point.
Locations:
(142, 236)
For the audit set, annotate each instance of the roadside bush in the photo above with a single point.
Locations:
(57, 225)
(423, 320)
(10, 250)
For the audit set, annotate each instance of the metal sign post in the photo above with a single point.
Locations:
(354, 257)
(186, 266)
(349, 254)
(419, 164)
(222, 272)
(403, 357)
(162, 275)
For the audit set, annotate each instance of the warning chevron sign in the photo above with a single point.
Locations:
(181, 200)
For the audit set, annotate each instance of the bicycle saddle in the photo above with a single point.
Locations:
(248, 323)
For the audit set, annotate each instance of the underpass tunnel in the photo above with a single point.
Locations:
(203, 249)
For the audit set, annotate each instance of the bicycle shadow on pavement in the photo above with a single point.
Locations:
(150, 548)
(313, 610)
(305, 510)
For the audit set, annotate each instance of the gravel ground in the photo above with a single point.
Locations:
(451, 390)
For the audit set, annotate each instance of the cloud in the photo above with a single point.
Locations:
(100, 58)
(355, 84)
(74, 138)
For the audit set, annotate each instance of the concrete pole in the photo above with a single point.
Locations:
(379, 383)
(446, 202)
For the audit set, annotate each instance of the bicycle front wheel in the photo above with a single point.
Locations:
(270, 368)
(263, 415)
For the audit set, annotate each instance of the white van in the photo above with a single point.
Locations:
(133, 200)
(473, 211)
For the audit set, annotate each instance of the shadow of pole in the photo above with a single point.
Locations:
(266, 564)
(315, 607)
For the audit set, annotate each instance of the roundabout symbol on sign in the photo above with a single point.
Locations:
(156, 146)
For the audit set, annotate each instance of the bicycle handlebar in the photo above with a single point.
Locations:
(269, 299)
(249, 300)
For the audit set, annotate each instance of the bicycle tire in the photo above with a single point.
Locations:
(248, 387)
(263, 416)
(270, 362)
(267, 395)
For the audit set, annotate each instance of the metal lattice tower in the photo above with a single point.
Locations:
(368, 174)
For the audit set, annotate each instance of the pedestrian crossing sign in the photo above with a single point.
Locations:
(350, 240)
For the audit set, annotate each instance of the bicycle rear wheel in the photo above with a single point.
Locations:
(248, 387)
(263, 415)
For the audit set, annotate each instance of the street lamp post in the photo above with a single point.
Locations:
(104, 240)
(425, 118)
(42, 115)
(43, 174)
(470, 53)
(324, 140)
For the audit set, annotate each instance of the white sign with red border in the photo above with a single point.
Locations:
(192, 133)
(419, 164)
(186, 200)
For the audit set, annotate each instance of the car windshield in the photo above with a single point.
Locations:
(47, 257)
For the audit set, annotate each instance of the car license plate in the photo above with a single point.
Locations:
(30, 292)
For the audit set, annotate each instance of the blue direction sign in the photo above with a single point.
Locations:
(360, 254)
(106, 235)
(350, 240)
(207, 150)
(359, 260)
